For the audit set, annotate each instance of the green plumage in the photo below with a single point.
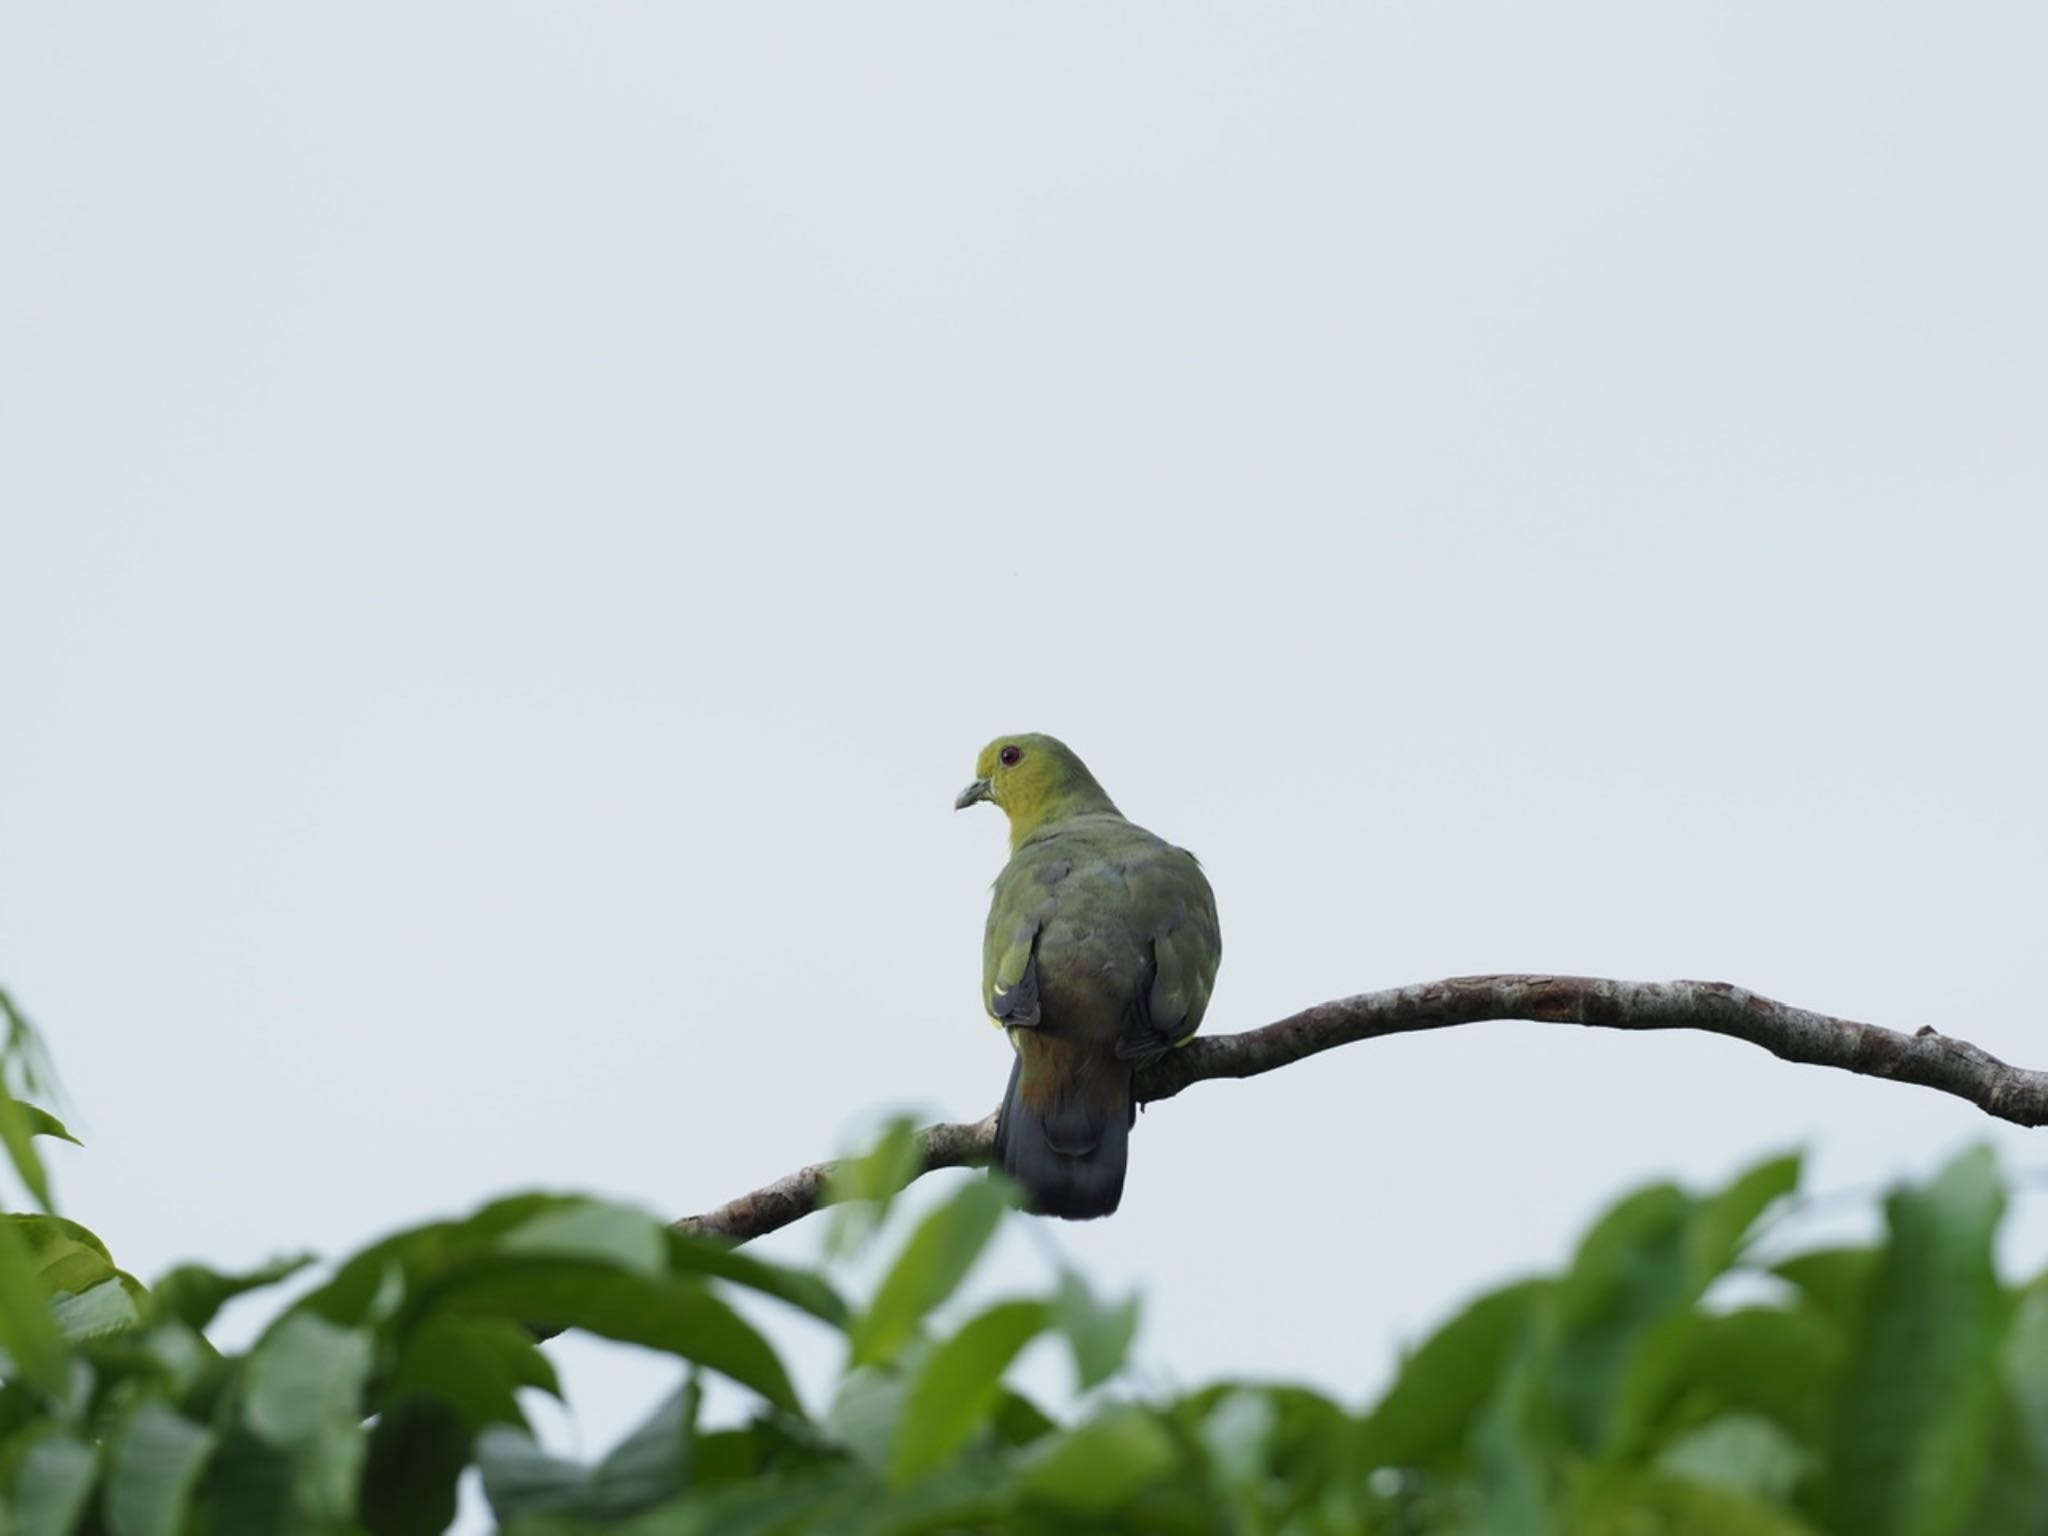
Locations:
(1101, 950)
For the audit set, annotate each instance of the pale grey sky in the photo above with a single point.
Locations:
(515, 520)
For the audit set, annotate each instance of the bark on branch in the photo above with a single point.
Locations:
(1926, 1058)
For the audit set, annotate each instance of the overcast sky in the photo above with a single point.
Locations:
(515, 520)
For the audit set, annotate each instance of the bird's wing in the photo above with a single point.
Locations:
(1022, 904)
(1174, 914)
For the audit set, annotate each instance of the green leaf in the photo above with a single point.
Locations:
(1737, 1453)
(1723, 1223)
(372, 1283)
(1437, 1396)
(1516, 1442)
(303, 1392)
(41, 1122)
(181, 1355)
(1834, 1281)
(304, 1374)
(2025, 1366)
(930, 1268)
(1238, 1433)
(1782, 1363)
(1100, 1465)
(608, 1234)
(522, 1479)
(653, 1462)
(1632, 1275)
(107, 1307)
(2016, 1492)
(956, 1391)
(1019, 1421)
(28, 1331)
(1919, 1397)
(1100, 1335)
(476, 1366)
(1652, 1504)
(861, 1189)
(967, 1496)
(695, 1253)
(17, 1135)
(679, 1315)
(195, 1294)
(813, 1500)
(418, 1453)
(155, 1459)
(1625, 1311)
(2012, 1498)
(53, 1478)
(249, 1489)
(869, 1404)
(649, 1466)
(69, 1257)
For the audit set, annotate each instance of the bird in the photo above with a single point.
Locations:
(1100, 953)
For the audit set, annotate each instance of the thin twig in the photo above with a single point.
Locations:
(796, 1195)
(1926, 1058)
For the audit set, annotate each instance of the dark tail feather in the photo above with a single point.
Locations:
(1066, 1170)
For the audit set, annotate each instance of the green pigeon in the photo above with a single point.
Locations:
(1101, 952)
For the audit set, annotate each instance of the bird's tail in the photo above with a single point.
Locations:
(1069, 1158)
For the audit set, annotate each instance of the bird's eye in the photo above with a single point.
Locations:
(1009, 755)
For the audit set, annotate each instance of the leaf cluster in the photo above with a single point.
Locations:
(1671, 1379)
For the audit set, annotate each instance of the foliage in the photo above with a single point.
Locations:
(1894, 1390)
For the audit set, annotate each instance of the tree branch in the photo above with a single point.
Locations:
(1926, 1058)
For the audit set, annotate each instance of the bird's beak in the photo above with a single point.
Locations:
(978, 790)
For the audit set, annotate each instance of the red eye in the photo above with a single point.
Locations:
(1009, 755)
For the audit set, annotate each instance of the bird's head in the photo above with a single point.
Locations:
(1035, 779)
